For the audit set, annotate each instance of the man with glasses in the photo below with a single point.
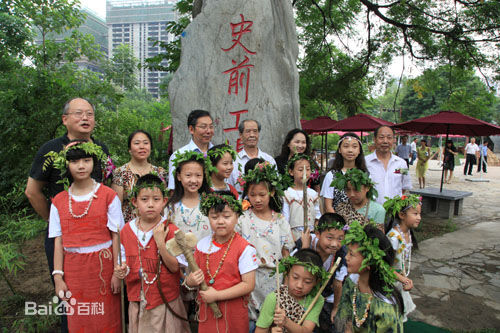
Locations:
(78, 117)
(388, 171)
(201, 128)
(249, 134)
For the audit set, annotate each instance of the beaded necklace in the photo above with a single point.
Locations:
(406, 253)
(253, 226)
(358, 321)
(212, 277)
(86, 211)
(143, 275)
(189, 211)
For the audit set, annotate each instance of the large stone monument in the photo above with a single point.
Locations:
(239, 61)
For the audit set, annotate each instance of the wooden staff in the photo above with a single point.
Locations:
(193, 266)
(315, 299)
(122, 294)
(277, 282)
(304, 199)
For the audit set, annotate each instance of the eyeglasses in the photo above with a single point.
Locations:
(79, 114)
(205, 127)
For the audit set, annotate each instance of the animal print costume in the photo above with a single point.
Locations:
(293, 310)
(347, 211)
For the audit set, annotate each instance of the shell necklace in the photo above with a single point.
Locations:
(86, 211)
(143, 275)
(406, 253)
(212, 277)
(358, 321)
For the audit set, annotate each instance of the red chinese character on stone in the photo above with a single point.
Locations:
(238, 78)
(238, 30)
(237, 114)
(239, 145)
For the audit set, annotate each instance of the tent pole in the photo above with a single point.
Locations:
(442, 168)
(321, 154)
(326, 149)
(481, 159)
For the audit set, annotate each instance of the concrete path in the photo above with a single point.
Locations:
(457, 276)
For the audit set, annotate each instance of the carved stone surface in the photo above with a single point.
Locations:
(259, 39)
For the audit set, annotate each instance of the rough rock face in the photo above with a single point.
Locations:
(239, 62)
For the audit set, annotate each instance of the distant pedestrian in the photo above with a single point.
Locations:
(471, 151)
(413, 146)
(483, 157)
(450, 151)
(423, 154)
(403, 150)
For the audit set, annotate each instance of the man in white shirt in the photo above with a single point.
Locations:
(413, 146)
(388, 171)
(471, 151)
(249, 134)
(201, 127)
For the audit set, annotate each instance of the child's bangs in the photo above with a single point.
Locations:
(76, 154)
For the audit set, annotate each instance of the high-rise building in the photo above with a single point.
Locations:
(93, 25)
(139, 23)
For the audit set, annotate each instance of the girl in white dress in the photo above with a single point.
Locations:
(405, 211)
(293, 204)
(265, 228)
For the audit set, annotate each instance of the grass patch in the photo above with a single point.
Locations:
(485, 330)
(430, 228)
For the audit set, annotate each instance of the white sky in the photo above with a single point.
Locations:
(99, 7)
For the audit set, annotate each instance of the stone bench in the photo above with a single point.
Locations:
(444, 204)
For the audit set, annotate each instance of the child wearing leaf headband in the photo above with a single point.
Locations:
(222, 158)
(327, 241)
(360, 190)
(191, 181)
(227, 264)
(85, 220)
(265, 228)
(404, 217)
(348, 155)
(293, 205)
(151, 273)
(369, 301)
(303, 276)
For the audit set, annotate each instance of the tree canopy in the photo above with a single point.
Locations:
(349, 43)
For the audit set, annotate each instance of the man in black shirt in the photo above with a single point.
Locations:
(78, 117)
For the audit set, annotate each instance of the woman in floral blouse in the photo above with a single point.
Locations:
(125, 177)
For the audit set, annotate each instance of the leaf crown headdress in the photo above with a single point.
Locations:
(151, 180)
(220, 151)
(372, 253)
(265, 172)
(191, 155)
(401, 203)
(210, 200)
(59, 159)
(285, 265)
(297, 157)
(357, 178)
(331, 221)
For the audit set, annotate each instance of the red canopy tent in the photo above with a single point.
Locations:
(361, 122)
(450, 122)
(320, 125)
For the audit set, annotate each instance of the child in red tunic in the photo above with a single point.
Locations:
(84, 220)
(228, 263)
(150, 267)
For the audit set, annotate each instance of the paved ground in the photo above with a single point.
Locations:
(457, 276)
